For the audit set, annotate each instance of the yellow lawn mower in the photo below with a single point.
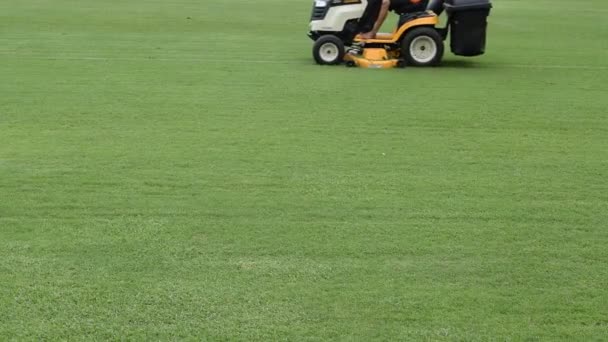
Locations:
(417, 40)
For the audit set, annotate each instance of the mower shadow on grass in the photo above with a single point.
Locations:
(460, 64)
(445, 64)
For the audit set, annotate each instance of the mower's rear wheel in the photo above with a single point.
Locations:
(328, 50)
(422, 46)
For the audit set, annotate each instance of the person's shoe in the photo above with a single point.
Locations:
(356, 49)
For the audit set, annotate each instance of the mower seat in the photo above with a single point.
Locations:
(408, 6)
(405, 17)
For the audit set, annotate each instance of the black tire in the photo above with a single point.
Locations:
(328, 50)
(422, 46)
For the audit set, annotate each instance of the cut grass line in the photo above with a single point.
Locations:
(298, 62)
(557, 66)
(143, 59)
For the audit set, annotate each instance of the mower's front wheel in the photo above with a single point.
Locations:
(328, 50)
(422, 46)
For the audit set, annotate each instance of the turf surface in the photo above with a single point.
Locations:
(182, 170)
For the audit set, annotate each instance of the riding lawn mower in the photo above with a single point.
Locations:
(417, 40)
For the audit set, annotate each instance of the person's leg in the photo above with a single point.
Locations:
(381, 17)
(368, 19)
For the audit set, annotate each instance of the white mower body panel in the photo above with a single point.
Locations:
(337, 16)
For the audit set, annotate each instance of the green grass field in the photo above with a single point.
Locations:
(183, 170)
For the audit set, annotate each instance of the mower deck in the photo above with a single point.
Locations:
(377, 58)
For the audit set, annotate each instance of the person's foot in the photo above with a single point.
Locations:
(368, 35)
(355, 50)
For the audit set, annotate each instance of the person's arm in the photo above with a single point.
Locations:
(382, 16)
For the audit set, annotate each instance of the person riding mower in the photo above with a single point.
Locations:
(398, 6)
(336, 27)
